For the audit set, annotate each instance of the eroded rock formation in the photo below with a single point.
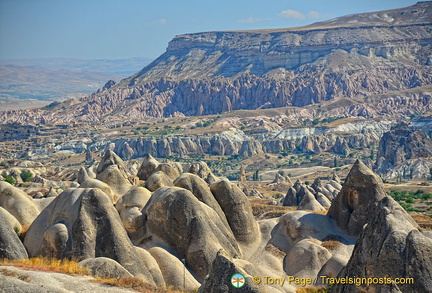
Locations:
(404, 153)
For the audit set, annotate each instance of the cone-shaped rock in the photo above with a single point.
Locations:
(391, 246)
(361, 191)
(82, 175)
(80, 224)
(148, 167)
(309, 202)
(105, 268)
(290, 199)
(191, 228)
(110, 158)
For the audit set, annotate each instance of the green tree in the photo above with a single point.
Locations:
(26, 176)
(9, 179)
(426, 197)
(255, 176)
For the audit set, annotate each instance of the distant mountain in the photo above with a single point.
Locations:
(27, 83)
(356, 57)
(42, 83)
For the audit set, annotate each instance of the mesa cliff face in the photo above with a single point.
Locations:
(206, 73)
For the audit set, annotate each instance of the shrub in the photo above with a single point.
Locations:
(9, 179)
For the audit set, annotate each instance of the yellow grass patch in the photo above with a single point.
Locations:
(265, 211)
(424, 221)
(331, 244)
(65, 266)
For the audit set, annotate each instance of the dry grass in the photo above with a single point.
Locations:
(275, 251)
(71, 267)
(263, 210)
(9, 273)
(331, 244)
(266, 211)
(320, 212)
(135, 284)
(64, 266)
(424, 221)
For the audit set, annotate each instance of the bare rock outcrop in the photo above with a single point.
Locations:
(309, 202)
(171, 169)
(81, 224)
(391, 246)
(191, 228)
(105, 268)
(223, 268)
(111, 158)
(318, 195)
(95, 183)
(157, 180)
(82, 175)
(130, 208)
(49, 282)
(361, 191)
(173, 270)
(200, 190)
(404, 153)
(290, 198)
(298, 225)
(237, 209)
(116, 179)
(202, 170)
(148, 167)
(19, 204)
(306, 259)
(11, 246)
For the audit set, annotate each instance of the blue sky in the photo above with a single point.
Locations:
(114, 29)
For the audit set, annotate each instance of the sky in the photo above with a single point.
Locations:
(116, 29)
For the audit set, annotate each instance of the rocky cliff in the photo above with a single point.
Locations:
(235, 142)
(212, 72)
(404, 153)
